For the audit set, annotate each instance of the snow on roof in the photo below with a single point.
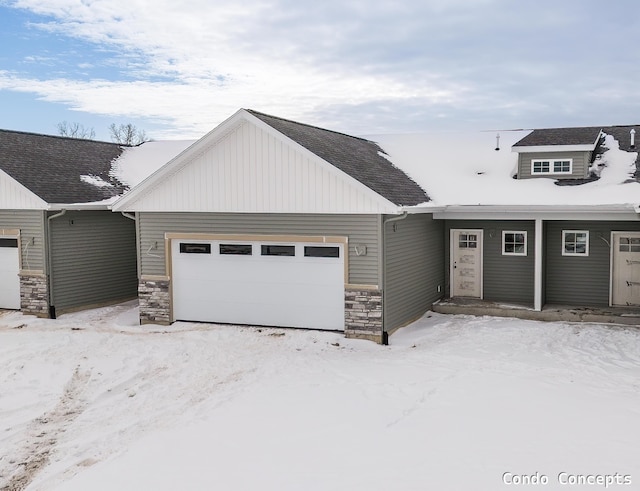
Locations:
(466, 169)
(137, 163)
(95, 181)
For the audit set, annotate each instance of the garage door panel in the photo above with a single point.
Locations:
(288, 291)
(9, 270)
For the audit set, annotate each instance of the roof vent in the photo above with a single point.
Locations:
(497, 142)
(633, 138)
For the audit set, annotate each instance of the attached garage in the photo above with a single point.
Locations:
(61, 248)
(265, 221)
(270, 280)
(9, 269)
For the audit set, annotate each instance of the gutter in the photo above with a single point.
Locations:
(626, 211)
(99, 205)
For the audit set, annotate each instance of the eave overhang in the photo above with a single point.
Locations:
(624, 212)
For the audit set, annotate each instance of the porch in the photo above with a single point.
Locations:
(566, 313)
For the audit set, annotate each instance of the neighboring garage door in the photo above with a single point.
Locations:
(9, 269)
(287, 284)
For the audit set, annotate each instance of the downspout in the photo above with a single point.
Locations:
(52, 309)
(405, 214)
(138, 252)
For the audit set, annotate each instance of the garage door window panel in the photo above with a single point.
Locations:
(9, 243)
(236, 249)
(192, 248)
(278, 250)
(321, 251)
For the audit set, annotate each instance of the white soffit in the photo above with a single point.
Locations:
(624, 212)
(246, 166)
(15, 196)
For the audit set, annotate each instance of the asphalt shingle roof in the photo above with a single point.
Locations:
(357, 157)
(561, 136)
(51, 166)
(584, 136)
(580, 136)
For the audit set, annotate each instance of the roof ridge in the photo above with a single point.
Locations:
(254, 112)
(61, 137)
(585, 127)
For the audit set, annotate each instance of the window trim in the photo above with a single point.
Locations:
(576, 254)
(504, 233)
(552, 164)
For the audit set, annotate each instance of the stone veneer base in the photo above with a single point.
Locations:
(363, 315)
(34, 294)
(155, 302)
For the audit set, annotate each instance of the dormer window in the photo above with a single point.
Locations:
(551, 166)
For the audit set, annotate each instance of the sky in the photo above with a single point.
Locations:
(177, 69)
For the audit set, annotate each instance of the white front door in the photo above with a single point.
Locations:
(259, 282)
(9, 269)
(625, 268)
(466, 263)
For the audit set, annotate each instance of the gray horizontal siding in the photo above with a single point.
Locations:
(581, 281)
(580, 170)
(505, 278)
(93, 259)
(31, 226)
(413, 268)
(360, 229)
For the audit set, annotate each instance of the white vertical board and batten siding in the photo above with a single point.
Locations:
(31, 226)
(14, 196)
(93, 259)
(251, 169)
(360, 229)
(413, 268)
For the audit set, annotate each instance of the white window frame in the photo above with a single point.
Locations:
(552, 166)
(504, 233)
(579, 254)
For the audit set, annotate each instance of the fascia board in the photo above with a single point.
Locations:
(624, 212)
(418, 209)
(554, 148)
(80, 206)
(389, 207)
(175, 164)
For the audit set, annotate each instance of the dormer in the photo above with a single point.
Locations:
(557, 153)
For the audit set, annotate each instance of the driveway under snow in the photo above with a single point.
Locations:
(94, 401)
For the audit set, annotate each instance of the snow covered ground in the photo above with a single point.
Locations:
(92, 401)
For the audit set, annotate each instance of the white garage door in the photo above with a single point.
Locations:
(9, 269)
(259, 283)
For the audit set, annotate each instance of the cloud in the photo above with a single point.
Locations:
(371, 65)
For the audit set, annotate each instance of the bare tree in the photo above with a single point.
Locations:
(75, 130)
(127, 134)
